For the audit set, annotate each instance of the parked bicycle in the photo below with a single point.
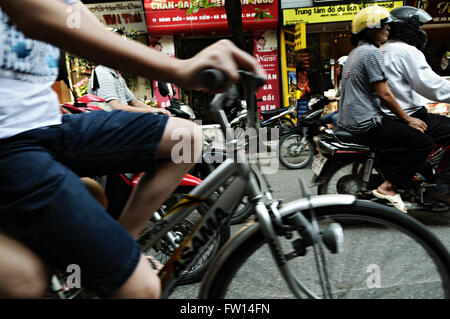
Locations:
(323, 246)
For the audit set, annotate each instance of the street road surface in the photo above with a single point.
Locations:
(377, 259)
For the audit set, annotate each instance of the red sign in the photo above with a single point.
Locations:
(266, 52)
(170, 17)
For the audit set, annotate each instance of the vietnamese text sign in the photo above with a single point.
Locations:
(335, 13)
(438, 9)
(170, 16)
(266, 52)
(128, 15)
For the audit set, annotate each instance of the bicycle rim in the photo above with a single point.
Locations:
(383, 257)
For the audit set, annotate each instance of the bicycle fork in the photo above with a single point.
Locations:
(310, 236)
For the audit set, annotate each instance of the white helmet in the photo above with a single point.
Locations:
(342, 60)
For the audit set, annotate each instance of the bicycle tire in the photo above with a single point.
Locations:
(232, 277)
(164, 251)
(285, 156)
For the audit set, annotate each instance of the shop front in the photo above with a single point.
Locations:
(328, 31)
(177, 33)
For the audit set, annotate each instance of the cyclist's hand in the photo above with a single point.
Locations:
(417, 124)
(223, 56)
(162, 111)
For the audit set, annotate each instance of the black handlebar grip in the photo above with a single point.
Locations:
(212, 78)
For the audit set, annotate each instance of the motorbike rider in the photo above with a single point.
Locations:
(411, 79)
(331, 118)
(109, 84)
(365, 88)
(44, 207)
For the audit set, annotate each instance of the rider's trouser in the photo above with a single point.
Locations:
(417, 146)
(439, 131)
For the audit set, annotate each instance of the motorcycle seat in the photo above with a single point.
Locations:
(268, 114)
(348, 137)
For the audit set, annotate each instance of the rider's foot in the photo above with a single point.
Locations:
(387, 189)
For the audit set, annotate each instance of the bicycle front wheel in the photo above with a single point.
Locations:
(386, 255)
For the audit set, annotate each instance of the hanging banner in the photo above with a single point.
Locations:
(324, 14)
(266, 52)
(128, 15)
(170, 16)
(164, 92)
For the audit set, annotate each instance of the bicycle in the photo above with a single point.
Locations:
(312, 228)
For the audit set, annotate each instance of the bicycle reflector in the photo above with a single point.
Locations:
(333, 238)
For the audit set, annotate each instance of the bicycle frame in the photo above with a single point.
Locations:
(218, 216)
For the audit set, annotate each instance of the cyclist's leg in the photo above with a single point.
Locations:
(152, 191)
(47, 207)
(96, 190)
(102, 143)
(22, 272)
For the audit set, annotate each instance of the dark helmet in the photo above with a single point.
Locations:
(408, 26)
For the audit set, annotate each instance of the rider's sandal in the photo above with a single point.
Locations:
(395, 200)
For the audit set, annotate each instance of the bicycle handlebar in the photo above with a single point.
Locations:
(213, 78)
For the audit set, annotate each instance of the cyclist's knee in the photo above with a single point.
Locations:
(24, 284)
(23, 274)
(144, 283)
(181, 138)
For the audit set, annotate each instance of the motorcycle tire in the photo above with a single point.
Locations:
(294, 153)
(344, 177)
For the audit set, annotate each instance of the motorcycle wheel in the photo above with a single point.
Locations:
(294, 151)
(345, 177)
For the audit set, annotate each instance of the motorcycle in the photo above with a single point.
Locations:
(296, 146)
(282, 118)
(349, 165)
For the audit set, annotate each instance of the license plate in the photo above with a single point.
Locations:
(318, 163)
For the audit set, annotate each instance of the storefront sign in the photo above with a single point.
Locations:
(438, 9)
(300, 37)
(266, 52)
(323, 14)
(128, 15)
(170, 16)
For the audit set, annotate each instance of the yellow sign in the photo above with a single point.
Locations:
(323, 14)
(300, 36)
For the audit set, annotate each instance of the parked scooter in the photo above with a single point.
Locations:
(296, 146)
(350, 165)
(283, 118)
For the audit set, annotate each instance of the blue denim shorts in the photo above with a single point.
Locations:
(44, 204)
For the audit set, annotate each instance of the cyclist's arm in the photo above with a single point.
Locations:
(91, 40)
